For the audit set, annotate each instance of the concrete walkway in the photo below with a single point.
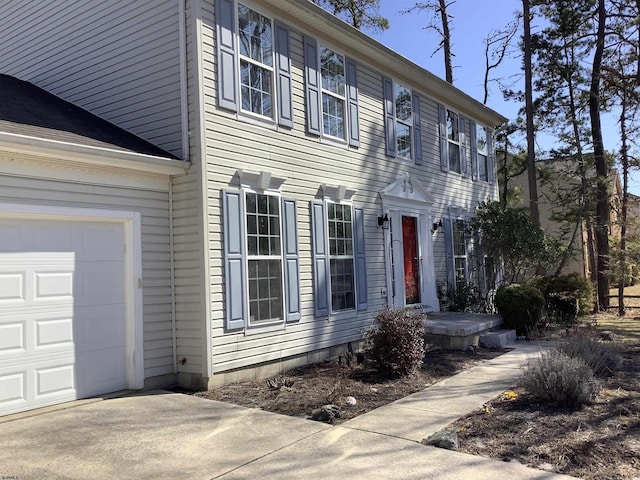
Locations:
(164, 435)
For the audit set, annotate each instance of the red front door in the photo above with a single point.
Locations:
(411, 260)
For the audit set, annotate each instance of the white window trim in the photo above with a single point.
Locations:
(274, 101)
(267, 324)
(479, 126)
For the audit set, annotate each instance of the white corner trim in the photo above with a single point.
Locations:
(41, 147)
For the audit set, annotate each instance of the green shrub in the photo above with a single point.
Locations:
(395, 343)
(560, 379)
(520, 307)
(601, 358)
(567, 287)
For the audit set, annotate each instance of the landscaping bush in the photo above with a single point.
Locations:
(558, 378)
(520, 307)
(395, 343)
(561, 291)
(601, 358)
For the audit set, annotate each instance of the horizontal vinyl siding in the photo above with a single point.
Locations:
(117, 59)
(307, 162)
(153, 206)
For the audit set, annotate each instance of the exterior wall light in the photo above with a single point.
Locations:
(383, 222)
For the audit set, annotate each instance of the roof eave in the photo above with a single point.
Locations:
(91, 155)
(387, 60)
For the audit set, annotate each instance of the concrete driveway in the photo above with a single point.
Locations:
(159, 435)
(163, 435)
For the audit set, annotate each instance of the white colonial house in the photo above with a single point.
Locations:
(197, 191)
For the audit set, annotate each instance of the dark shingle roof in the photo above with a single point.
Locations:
(31, 111)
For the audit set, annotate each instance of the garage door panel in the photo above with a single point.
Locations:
(13, 338)
(101, 242)
(13, 388)
(99, 327)
(54, 332)
(12, 287)
(53, 285)
(100, 371)
(58, 379)
(99, 283)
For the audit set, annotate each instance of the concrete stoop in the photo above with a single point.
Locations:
(497, 338)
(458, 330)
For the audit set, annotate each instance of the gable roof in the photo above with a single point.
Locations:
(28, 110)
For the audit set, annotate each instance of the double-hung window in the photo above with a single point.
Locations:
(402, 121)
(261, 259)
(331, 94)
(459, 252)
(453, 141)
(339, 264)
(264, 258)
(253, 63)
(482, 158)
(334, 82)
(453, 151)
(255, 40)
(341, 257)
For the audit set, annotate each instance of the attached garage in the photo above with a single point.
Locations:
(67, 308)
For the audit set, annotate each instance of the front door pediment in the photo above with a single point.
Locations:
(406, 189)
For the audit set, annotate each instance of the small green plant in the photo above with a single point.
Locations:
(520, 307)
(558, 378)
(601, 358)
(395, 343)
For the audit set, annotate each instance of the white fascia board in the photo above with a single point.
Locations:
(303, 13)
(90, 155)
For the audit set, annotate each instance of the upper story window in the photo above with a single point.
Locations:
(482, 152)
(331, 94)
(253, 63)
(453, 151)
(453, 141)
(332, 72)
(402, 121)
(482, 156)
(255, 39)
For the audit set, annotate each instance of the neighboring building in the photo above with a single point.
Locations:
(273, 181)
(558, 193)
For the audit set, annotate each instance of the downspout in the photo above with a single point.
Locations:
(174, 341)
(184, 113)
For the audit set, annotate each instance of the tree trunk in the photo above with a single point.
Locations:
(602, 192)
(528, 75)
(446, 41)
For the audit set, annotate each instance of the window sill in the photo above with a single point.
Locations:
(343, 315)
(336, 142)
(264, 328)
(257, 120)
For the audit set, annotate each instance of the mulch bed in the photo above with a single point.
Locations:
(332, 382)
(597, 441)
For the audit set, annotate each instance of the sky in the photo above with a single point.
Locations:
(471, 22)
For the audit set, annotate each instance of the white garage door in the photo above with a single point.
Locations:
(62, 311)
